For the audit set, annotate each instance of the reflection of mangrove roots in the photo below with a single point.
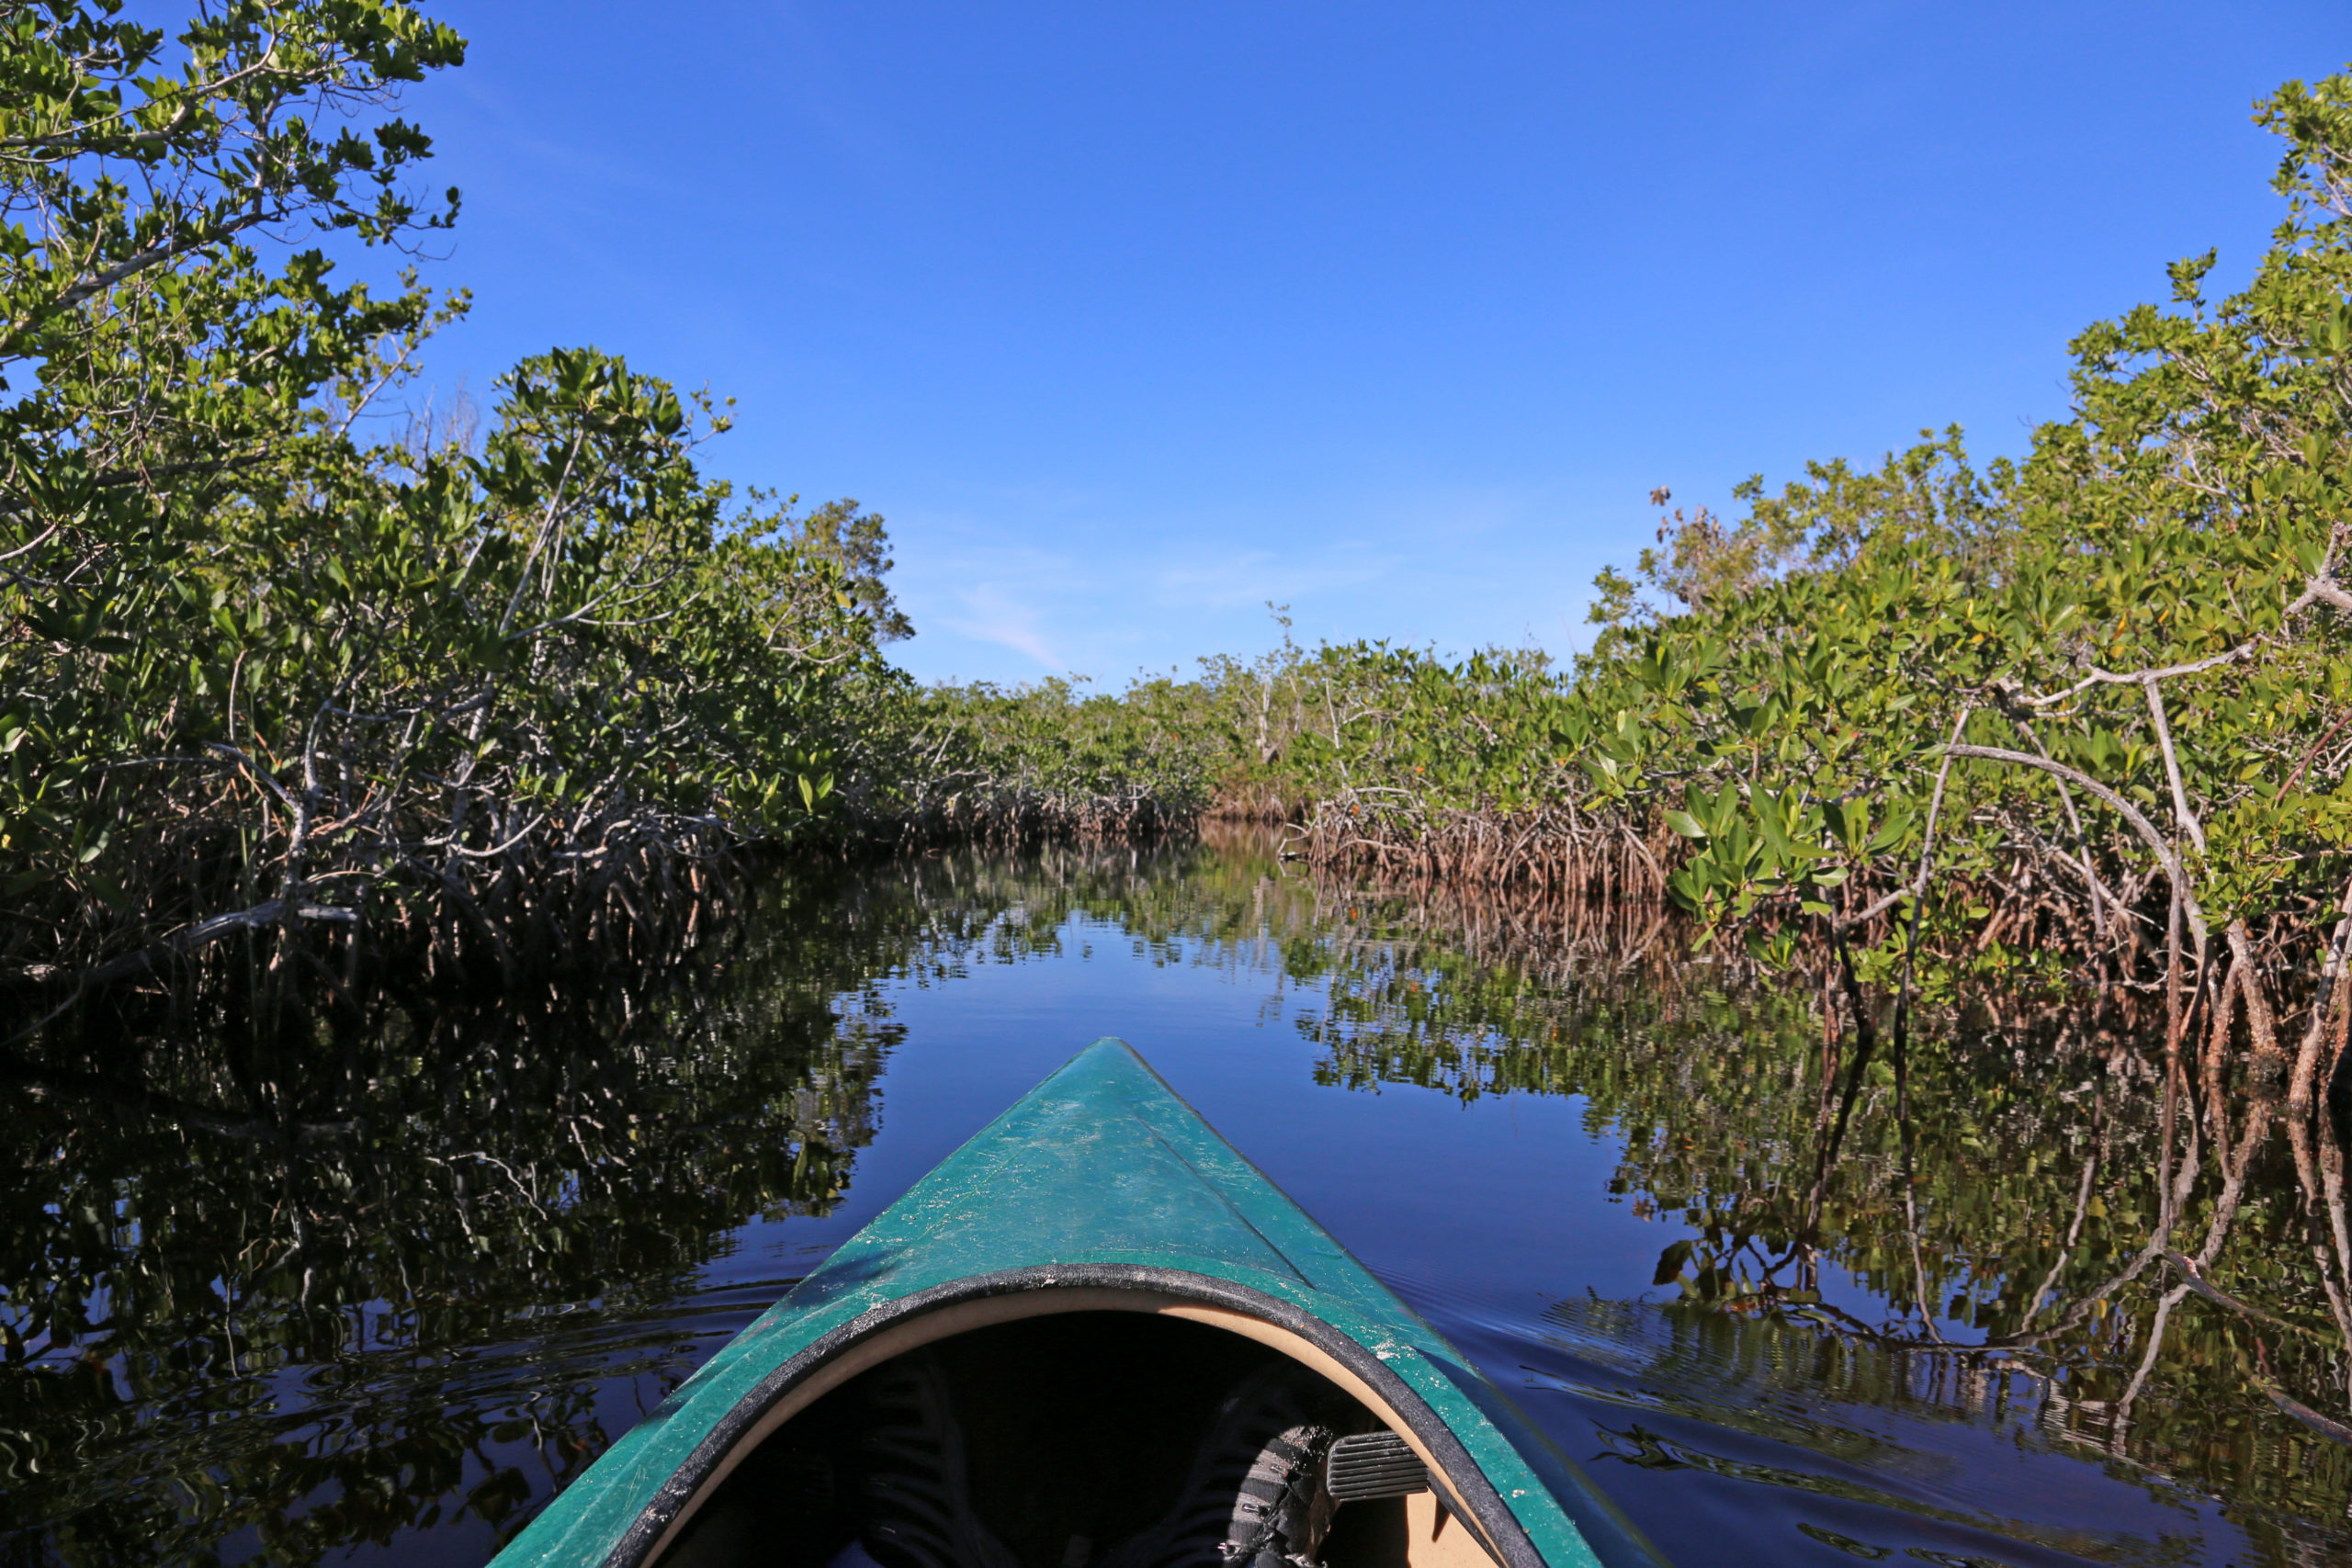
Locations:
(2326, 1427)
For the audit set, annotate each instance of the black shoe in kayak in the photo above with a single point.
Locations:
(1255, 1496)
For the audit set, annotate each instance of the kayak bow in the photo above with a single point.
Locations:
(1101, 1191)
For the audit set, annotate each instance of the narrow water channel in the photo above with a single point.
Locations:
(372, 1291)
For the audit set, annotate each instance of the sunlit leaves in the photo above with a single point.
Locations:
(1772, 717)
(265, 641)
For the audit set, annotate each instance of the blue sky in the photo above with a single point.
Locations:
(1130, 318)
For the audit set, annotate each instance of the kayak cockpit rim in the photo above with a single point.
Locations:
(1495, 1539)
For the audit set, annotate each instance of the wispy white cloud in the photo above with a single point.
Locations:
(1056, 580)
(992, 617)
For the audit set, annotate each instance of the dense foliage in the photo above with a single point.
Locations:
(269, 659)
(2077, 718)
(1044, 759)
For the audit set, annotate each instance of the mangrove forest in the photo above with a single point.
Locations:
(454, 858)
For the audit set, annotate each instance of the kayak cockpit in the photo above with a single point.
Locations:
(1082, 1429)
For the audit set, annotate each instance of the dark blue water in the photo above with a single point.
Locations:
(1526, 1220)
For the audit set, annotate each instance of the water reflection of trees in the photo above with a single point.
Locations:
(412, 1265)
(2156, 1249)
(286, 1283)
(306, 1281)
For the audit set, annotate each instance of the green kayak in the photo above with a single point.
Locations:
(1058, 1313)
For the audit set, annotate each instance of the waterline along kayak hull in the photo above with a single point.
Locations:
(1100, 1191)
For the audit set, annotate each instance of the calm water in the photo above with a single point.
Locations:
(375, 1293)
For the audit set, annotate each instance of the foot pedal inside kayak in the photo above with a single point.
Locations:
(1374, 1464)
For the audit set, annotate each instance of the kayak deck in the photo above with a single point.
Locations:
(1102, 1199)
